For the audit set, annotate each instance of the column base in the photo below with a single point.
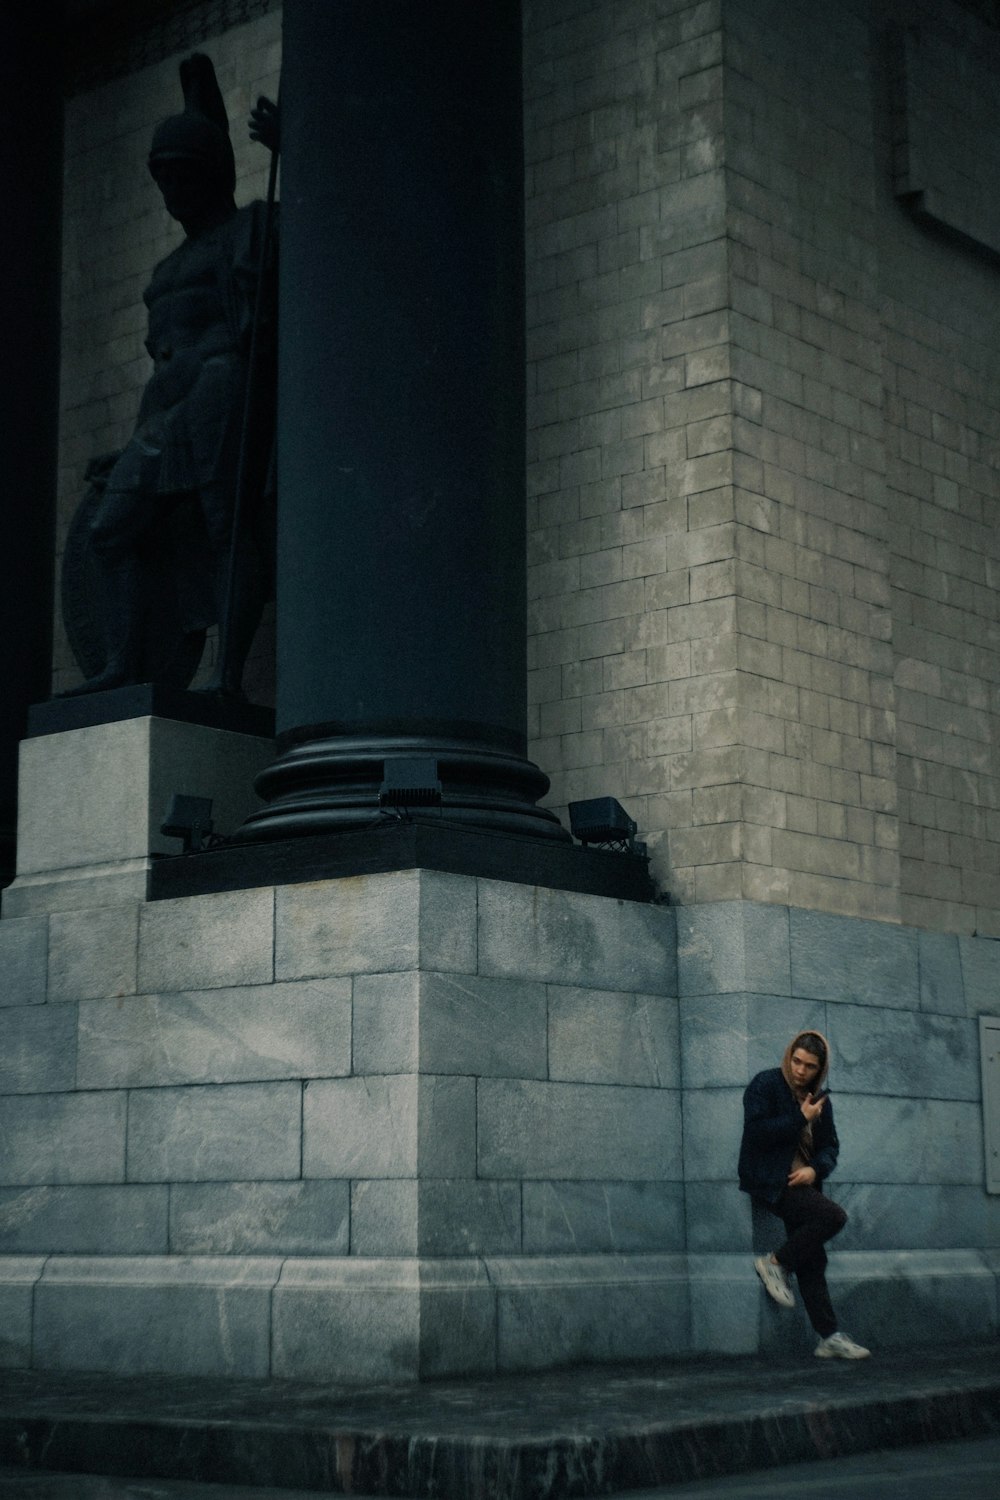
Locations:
(333, 785)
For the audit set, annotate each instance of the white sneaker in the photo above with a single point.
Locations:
(839, 1346)
(775, 1279)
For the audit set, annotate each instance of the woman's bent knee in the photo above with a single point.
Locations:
(836, 1217)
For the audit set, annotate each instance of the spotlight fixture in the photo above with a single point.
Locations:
(410, 782)
(190, 819)
(604, 823)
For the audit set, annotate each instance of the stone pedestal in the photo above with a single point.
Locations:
(414, 1123)
(91, 802)
(377, 1128)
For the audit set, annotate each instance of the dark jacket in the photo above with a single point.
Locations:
(772, 1124)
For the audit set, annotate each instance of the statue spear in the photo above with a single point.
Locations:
(264, 127)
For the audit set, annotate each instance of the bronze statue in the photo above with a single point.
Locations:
(189, 485)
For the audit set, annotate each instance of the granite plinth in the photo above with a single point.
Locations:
(349, 1317)
(549, 1436)
(360, 1317)
(415, 1123)
(91, 800)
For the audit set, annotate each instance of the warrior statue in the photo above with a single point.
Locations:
(189, 485)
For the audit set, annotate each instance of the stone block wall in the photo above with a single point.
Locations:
(790, 448)
(370, 1110)
(115, 230)
(631, 566)
(813, 618)
(417, 1124)
(900, 1007)
(406, 1064)
(942, 433)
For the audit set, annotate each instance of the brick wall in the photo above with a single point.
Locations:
(763, 443)
(115, 231)
(632, 671)
(814, 623)
(941, 337)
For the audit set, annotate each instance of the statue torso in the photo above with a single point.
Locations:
(194, 310)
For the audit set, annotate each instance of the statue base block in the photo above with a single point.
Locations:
(93, 790)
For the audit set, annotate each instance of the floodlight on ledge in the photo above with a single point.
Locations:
(603, 823)
(190, 819)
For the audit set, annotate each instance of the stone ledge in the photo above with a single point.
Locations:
(355, 1320)
(418, 844)
(584, 1431)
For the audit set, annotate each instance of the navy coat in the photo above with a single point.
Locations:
(772, 1124)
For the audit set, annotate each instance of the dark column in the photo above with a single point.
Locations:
(31, 192)
(401, 536)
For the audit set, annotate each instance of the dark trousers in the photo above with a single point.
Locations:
(810, 1219)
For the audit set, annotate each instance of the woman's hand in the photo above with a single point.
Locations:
(811, 1107)
(802, 1177)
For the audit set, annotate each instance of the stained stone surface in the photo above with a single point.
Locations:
(112, 1220)
(233, 1132)
(573, 1130)
(474, 1024)
(906, 1052)
(200, 942)
(466, 1217)
(111, 822)
(458, 1318)
(910, 1140)
(718, 1217)
(606, 1309)
(111, 784)
(941, 984)
(713, 1120)
(894, 1298)
(725, 1309)
(911, 1216)
(385, 1217)
(375, 924)
(728, 946)
(189, 1316)
(585, 1431)
(388, 1319)
(564, 1218)
(604, 1036)
(980, 959)
(37, 1048)
(260, 1218)
(368, 1310)
(23, 958)
(62, 1138)
(294, 1030)
(562, 937)
(361, 1127)
(93, 954)
(447, 1126)
(18, 1276)
(847, 959)
(386, 1022)
(505, 1093)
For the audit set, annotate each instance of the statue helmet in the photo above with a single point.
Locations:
(201, 132)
